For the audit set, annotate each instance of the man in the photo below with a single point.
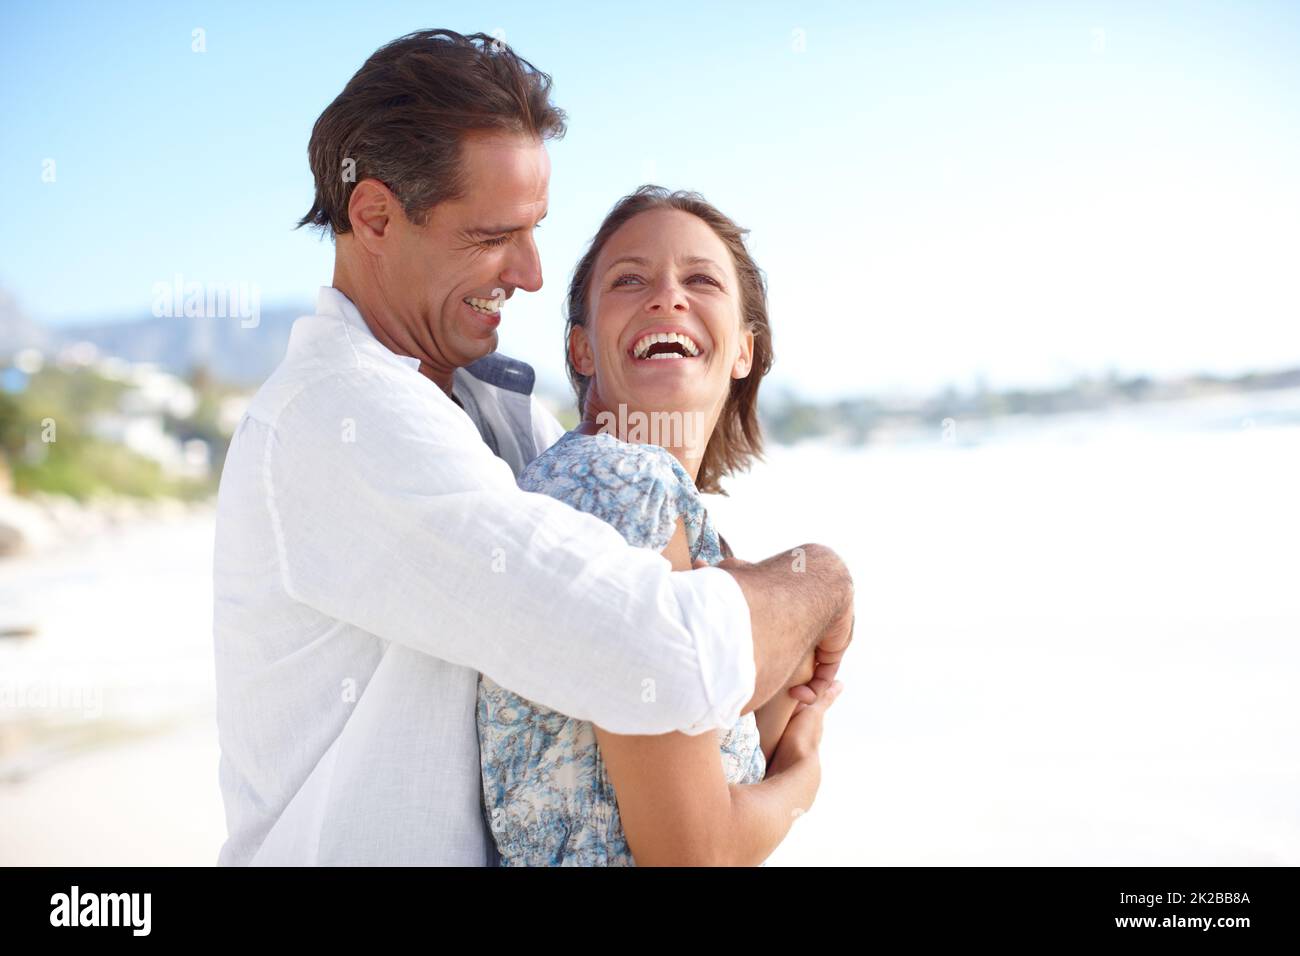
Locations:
(373, 553)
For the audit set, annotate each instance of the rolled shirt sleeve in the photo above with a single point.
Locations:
(714, 608)
(406, 526)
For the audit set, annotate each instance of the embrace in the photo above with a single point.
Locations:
(445, 629)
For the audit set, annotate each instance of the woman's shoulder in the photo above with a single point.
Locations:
(604, 459)
(640, 489)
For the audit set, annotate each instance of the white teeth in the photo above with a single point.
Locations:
(643, 344)
(489, 306)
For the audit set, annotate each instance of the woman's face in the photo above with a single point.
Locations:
(663, 273)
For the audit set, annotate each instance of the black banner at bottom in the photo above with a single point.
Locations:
(1231, 906)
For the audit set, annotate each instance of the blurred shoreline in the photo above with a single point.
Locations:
(106, 633)
(41, 522)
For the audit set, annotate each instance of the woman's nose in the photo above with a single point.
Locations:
(667, 296)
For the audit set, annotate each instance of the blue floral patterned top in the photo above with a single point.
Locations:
(546, 795)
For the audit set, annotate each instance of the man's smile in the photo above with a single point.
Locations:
(486, 306)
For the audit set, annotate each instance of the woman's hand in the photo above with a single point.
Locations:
(803, 734)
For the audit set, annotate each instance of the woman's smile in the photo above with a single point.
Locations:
(665, 343)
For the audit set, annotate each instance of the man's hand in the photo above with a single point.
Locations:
(826, 656)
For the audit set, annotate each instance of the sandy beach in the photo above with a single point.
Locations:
(1076, 644)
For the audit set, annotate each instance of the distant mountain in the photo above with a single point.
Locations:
(16, 330)
(243, 356)
(234, 354)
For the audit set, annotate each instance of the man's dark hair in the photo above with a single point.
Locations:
(401, 119)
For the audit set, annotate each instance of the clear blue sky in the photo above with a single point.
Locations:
(938, 191)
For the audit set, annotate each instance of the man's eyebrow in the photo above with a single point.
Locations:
(493, 230)
(501, 230)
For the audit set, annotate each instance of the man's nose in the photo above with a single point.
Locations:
(524, 270)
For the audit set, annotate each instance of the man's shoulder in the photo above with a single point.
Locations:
(325, 357)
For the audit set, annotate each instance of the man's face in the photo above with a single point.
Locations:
(447, 280)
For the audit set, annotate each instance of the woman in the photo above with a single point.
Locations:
(667, 341)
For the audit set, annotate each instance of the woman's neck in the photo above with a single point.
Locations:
(683, 433)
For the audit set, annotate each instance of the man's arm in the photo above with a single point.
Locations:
(412, 530)
(772, 716)
(800, 602)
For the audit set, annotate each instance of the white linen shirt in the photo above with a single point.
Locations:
(372, 556)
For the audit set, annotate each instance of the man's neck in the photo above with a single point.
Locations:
(372, 309)
(444, 382)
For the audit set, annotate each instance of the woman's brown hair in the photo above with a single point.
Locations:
(737, 439)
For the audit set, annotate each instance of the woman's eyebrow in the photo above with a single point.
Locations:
(635, 260)
(689, 260)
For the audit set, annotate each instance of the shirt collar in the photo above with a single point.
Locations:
(330, 301)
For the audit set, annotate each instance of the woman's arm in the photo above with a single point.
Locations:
(674, 801)
(772, 718)
(677, 808)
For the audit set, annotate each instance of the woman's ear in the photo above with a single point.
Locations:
(580, 351)
(740, 368)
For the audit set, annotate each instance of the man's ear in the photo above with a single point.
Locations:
(740, 368)
(371, 209)
(580, 351)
